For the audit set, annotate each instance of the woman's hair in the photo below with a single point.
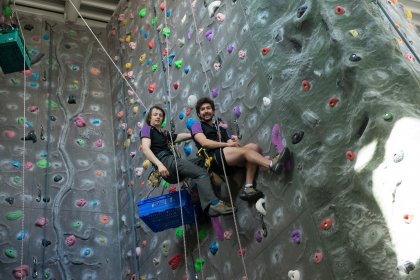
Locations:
(149, 114)
(202, 101)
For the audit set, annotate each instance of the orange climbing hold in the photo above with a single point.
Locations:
(104, 219)
(306, 86)
(120, 114)
(326, 224)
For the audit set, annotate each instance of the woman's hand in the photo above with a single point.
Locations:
(162, 170)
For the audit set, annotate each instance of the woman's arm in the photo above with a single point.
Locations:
(146, 142)
(182, 137)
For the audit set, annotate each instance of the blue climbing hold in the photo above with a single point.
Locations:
(146, 34)
(46, 37)
(22, 234)
(181, 116)
(214, 247)
(186, 69)
(35, 76)
(168, 13)
(190, 123)
(149, 61)
(188, 150)
(16, 164)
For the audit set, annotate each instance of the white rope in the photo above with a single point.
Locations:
(103, 48)
(199, 245)
(168, 87)
(223, 164)
(24, 141)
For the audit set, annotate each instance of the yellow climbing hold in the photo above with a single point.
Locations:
(128, 65)
(135, 109)
(128, 39)
(142, 58)
(354, 33)
(146, 164)
(131, 101)
(408, 14)
(399, 41)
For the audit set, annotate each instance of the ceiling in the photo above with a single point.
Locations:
(97, 13)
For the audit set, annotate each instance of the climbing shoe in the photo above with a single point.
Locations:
(221, 208)
(278, 161)
(250, 194)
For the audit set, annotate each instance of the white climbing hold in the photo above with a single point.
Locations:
(266, 101)
(192, 101)
(260, 207)
(294, 275)
(212, 7)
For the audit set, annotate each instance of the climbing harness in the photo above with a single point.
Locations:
(202, 154)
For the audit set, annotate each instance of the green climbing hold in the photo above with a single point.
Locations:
(7, 12)
(20, 120)
(10, 253)
(143, 12)
(14, 215)
(165, 184)
(154, 21)
(202, 234)
(72, 33)
(80, 142)
(77, 224)
(166, 32)
(43, 163)
(51, 104)
(178, 64)
(163, 124)
(154, 67)
(199, 263)
(17, 180)
(178, 232)
(46, 275)
(388, 117)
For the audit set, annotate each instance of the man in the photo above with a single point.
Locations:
(157, 147)
(208, 135)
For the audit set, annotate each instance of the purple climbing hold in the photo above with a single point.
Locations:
(217, 227)
(276, 138)
(189, 35)
(258, 236)
(209, 34)
(237, 111)
(230, 48)
(214, 92)
(296, 236)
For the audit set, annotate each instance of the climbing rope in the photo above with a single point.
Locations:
(223, 165)
(172, 141)
(24, 142)
(112, 61)
(198, 244)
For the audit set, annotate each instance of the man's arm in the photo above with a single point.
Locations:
(182, 137)
(210, 144)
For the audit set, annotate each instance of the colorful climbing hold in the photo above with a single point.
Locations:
(186, 69)
(242, 54)
(306, 86)
(333, 102)
(241, 252)
(10, 253)
(151, 44)
(77, 224)
(354, 33)
(178, 64)
(326, 224)
(21, 272)
(354, 57)
(199, 264)
(265, 51)
(104, 219)
(228, 235)
(14, 215)
(214, 247)
(230, 48)
(80, 142)
(408, 218)
(43, 164)
(154, 67)
(190, 122)
(296, 236)
(258, 236)
(70, 240)
(174, 261)
(151, 88)
(339, 10)
(209, 35)
(236, 111)
(166, 32)
(41, 222)
(179, 232)
(318, 257)
(143, 12)
(350, 155)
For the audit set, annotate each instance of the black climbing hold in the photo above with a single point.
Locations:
(67, 46)
(354, 57)
(28, 27)
(297, 137)
(57, 178)
(53, 118)
(31, 136)
(44, 76)
(301, 11)
(72, 99)
(46, 242)
(46, 199)
(10, 200)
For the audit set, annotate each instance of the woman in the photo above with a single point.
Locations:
(157, 147)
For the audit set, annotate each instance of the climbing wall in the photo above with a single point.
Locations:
(343, 86)
(66, 213)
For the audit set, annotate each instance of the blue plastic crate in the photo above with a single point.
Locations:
(163, 212)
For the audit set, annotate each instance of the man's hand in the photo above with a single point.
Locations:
(233, 144)
(163, 171)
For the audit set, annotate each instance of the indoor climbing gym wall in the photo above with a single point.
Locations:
(64, 220)
(336, 81)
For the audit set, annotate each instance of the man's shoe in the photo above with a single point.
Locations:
(279, 161)
(250, 194)
(221, 208)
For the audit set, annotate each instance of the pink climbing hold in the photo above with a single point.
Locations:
(29, 165)
(10, 134)
(138, 251)
(33, 108)
(79, 121)
(217, 227)
(21, 271)
(81, 202)
(276, 138)
(152, 88)
(41, 222)
(70, 240)
(318, 257)
(241, 252)
(227, 235)
(172, 189)
(99, 143)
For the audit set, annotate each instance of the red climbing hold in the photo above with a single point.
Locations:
(165, 52)
(306, 86)
(151, 44)
(265, 51)
(188, 111)
(333, 102)
(241, 252)
(172, 189)
(326, 224)
(174, 261)
(175, 85)
(152, 88)
(339, 10)
(350, 155)
(408, 218)
(162, 6)
(318, 257)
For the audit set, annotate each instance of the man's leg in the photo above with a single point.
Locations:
(251, 168)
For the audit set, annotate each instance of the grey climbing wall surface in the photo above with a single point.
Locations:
(70, 223)
(338, 77)
(339, 72)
